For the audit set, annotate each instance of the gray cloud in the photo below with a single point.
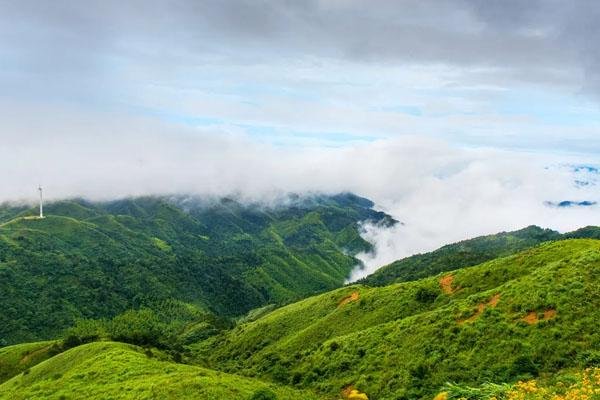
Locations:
(506, 34)
(204, 57)
(101, 51)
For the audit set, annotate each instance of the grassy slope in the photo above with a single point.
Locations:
(108, 370)
(407, 340)
(18, 358)
(94, 260)
(459, 255)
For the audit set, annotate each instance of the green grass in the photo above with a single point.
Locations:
(108, 370)
(18, 358)
(407, 340)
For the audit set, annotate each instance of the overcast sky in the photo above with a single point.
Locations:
(413, 103)
(512, 74)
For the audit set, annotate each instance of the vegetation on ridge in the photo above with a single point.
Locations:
(520, 324)
(97, 260)
(458, 255)
(508, 319)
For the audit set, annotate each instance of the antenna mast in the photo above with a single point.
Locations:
(41, 202)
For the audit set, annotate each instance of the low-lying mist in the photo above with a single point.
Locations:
(440, 193)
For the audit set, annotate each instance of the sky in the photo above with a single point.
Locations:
(458, 117)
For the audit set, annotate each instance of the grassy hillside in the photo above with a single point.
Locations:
(108, 370)
(97, 260)
(507, 319)
(18, 358)
(462, 254)
(511, 316)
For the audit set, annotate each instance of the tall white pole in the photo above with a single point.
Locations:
(41, 203)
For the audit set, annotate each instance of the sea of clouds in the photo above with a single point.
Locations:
(441, 193)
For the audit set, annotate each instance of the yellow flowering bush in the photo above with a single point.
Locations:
(441, 396)
(587, 387)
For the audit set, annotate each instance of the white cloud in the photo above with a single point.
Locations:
(493, 191)
(442, 193)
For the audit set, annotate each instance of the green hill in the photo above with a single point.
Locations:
(511, 318)
(20, 357)
(108, 370)
(97, 260)
(462, 254)
(469, 320)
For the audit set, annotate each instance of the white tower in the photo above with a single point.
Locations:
(41, 202)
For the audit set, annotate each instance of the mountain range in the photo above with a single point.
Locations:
(185, 298)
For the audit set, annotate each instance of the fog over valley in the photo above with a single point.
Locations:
(439, 191)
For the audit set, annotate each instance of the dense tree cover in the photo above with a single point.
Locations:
(509, 319)
(466, 253)
(98, 260)
(169, 326)
(589, 232)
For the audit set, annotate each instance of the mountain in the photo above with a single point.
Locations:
(220, 256)
(588, 232)
(462, 254)
(522, 326)
(509, 319)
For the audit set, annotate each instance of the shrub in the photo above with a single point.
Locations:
(84, 331)
(486, 391)
(524, 365)
(71, 341)
(263, 394)
(140, 327)
(425, 295)
(280, 374)
(296, 378)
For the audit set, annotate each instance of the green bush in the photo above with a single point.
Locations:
(426, 295)
(263, 394)
(139, 327)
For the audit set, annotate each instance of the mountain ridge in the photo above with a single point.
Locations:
(469, 252)
(481, 329)
(491, 322)
(93, 260)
